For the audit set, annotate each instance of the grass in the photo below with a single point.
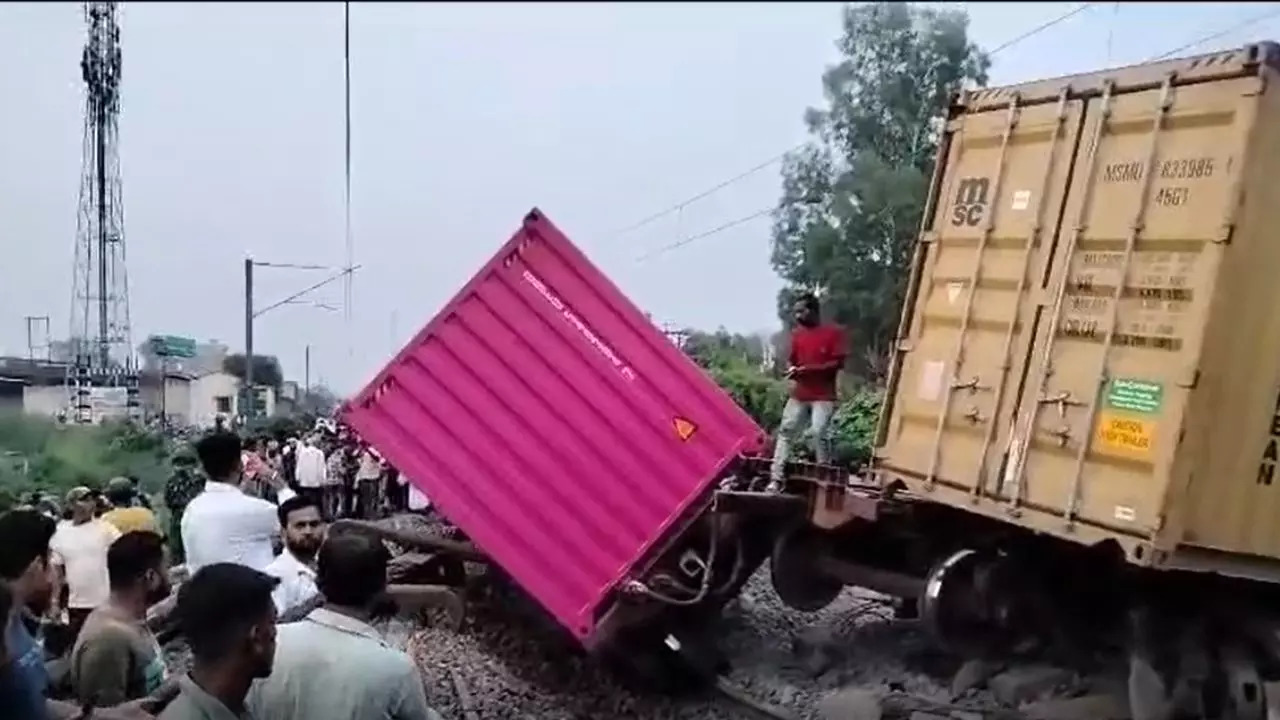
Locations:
(40, 454)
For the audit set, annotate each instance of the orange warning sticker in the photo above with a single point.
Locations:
(684, 428)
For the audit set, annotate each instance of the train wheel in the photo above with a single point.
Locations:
(795, 574)
(963, 604)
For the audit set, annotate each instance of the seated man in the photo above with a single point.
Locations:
(334, 664)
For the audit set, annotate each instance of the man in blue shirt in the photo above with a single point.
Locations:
(27, 576)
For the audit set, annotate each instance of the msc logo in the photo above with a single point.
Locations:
(971, 202)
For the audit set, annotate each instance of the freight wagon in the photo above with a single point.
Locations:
(1078, 444)
(1086, 383)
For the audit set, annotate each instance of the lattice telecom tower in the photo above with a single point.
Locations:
(100, 297)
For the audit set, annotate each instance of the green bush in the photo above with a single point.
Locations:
(853, 427)
(39, 454)
(763, 397)
(759, 394)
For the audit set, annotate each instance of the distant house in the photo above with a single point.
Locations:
(190, 399)
(184, 397)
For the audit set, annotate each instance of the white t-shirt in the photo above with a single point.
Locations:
(224, 525)
(82, 551)
(311, 470)
(297, 581)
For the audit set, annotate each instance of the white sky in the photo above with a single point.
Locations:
(465, 116)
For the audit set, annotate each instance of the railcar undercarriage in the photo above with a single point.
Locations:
(1195, 645)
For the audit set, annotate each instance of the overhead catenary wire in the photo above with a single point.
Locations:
(1274, 12)
(774, 160)
(1250, 22)
(705, 234)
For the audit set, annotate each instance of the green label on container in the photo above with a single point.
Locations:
(1142, 396)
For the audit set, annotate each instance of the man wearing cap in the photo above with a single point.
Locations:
(181, 488)
(125, 513)
(79, 549)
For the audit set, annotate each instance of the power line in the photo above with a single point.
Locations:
(1042, 27)
(714, 231)
(1273, 12)
(709, 191)
(677, 207)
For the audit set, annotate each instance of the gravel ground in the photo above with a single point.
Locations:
(508, 667)
(501, 665)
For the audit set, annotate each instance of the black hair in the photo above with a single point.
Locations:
(219, 604)
(293, 505)
(351, 570)
(120, 496)
(219, 454)
(132, 555)
(24, 538)
(810, 301)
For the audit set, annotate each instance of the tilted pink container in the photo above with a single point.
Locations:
(550, 420)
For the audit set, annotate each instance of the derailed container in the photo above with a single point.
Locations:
(554, 423)
(1091, 345)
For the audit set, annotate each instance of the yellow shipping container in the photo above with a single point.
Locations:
(1091, 342)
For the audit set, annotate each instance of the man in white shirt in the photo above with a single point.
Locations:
(368, 482)
(303, 530)
(334, 664)
(223, 524)
(79, 549)
(310, 471)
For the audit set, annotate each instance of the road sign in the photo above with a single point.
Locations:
(172, 346)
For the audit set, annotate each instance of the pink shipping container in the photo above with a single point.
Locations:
(549, 419)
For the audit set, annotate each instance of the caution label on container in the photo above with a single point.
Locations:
(1138, 396)
(684, 429)
(1125, 434)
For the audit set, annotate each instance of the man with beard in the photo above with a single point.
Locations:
(813, 367)
(27, 573)
(302, 529)
(226, 613)
(116, 657)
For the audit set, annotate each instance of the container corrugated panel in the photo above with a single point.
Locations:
(553, 422)
(1092, 348)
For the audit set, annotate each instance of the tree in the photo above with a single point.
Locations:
(318, 400)
(266, 369)
(853, 197)
(722, 348)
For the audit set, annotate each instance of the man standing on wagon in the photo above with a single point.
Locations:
(813, 366)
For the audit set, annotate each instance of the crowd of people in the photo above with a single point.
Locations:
(277, 613)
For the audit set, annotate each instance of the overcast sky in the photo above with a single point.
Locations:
(464, 117)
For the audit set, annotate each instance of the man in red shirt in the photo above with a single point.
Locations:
(817, 354)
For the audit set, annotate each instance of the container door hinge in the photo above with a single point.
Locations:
(1225, 233)
(904, 346)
